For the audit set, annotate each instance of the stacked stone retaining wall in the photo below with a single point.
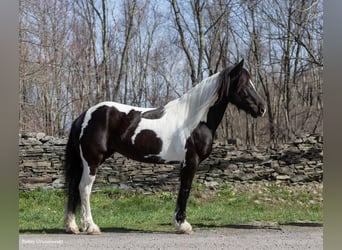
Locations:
(41, 165)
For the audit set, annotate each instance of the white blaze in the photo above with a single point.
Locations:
(250, 81)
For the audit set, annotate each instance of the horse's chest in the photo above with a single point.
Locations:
(173, 148)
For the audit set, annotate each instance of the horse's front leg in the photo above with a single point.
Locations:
(187, 174)
(198, 147)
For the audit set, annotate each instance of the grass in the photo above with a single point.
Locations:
(113, 209)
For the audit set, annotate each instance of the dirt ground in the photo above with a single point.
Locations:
(284, 237)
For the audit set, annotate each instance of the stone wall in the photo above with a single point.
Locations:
(41, 165)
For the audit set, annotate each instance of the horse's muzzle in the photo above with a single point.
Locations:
(262, 111)
(258, 111)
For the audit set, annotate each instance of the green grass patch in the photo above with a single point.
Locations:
(42, 210)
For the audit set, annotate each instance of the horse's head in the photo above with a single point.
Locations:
(242, 92)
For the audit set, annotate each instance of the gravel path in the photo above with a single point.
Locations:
(288, 237)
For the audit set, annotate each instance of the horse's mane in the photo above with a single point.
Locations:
(194, 105)
(223, 83)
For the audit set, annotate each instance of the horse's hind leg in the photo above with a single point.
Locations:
(73, 174)
(69, 218)
(85, 186)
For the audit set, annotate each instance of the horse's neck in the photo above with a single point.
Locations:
(215, 115)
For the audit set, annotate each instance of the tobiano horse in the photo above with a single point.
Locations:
(180, 132)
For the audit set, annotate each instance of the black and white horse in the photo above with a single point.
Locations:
(180, 132)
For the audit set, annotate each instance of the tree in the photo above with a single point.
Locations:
(74, 54)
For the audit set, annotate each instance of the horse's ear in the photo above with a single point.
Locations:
(237, 68)
(241, 63)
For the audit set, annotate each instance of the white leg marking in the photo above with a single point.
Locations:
(85, 187)
(70, 223)
(184, 228)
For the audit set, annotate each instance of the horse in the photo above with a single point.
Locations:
(180, 132)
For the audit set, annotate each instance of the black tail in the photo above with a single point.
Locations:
(73, 168)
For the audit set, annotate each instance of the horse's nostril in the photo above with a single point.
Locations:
(262, 110)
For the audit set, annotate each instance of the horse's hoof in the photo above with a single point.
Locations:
(72, 230)
(93, 230)
(183, 228)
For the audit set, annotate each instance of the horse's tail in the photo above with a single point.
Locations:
(73, 169)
